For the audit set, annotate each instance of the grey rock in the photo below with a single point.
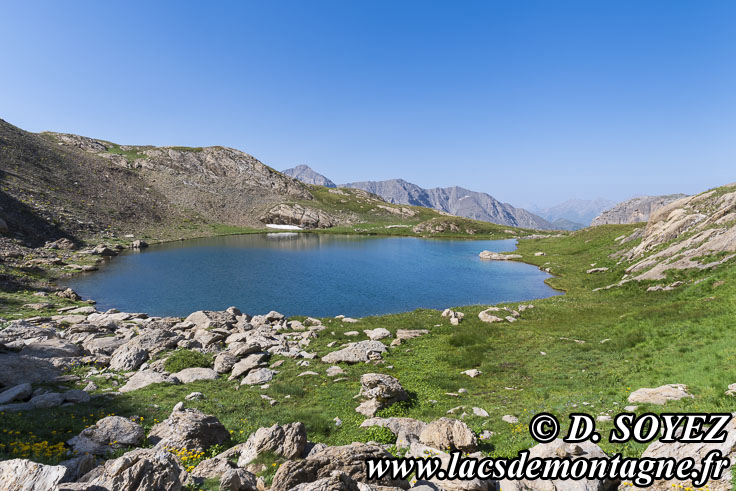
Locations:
(138, 470)
(20, 392)
(258, 376)
(287, 441)
(449, 434)
(379, 391)
(361, 351)
(189, 429)
(189, 375)
(145, 378)
(107, 435)
(22, 474)
(308, 176)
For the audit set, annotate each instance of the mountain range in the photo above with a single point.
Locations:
(571, 215)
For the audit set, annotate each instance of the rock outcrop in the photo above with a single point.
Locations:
(634, 210)
(305, 217)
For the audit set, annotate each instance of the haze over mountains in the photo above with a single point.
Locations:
(570, 215)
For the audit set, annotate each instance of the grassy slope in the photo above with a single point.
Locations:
(654, 338)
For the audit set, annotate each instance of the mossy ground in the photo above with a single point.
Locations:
(631, 338)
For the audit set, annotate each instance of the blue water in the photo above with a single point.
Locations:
(310, 274)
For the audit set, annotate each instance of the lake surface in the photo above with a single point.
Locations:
(310, 274)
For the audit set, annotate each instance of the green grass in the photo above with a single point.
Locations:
(130, 154)
(632, 339)
(185, 358)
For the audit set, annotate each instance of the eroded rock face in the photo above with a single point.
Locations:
(288, 441)
(449, 434)
(348, 459)
(560, 449)
(139, 470)
(23, 474)
(107, 435)
(189, 429)
(379, 391)
(359, 352)
(285, 214)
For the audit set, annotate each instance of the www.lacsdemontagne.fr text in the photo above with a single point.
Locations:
(640, 471)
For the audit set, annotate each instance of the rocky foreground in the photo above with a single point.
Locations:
(115, 453)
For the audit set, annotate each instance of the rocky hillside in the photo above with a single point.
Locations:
(455, 201)
(218, 184)
(52, 190)
(308, 176)
(692, 232)
(634, 210)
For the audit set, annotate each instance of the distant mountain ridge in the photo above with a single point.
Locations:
(635, 210)
(574, 211)
(455, 201)
(307, 175)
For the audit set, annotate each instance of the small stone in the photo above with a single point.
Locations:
(510, 419)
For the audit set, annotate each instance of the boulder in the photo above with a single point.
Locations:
(379, 391)
(287, 441)
(16, 369)
(404, 334)
(22, 474)
(258, 376)
(224, 362)
(449, 434)
(488, 315)
(188, 429)
(495, 256)
(128, 357)
(107, 435)
(51, 348)
(208, 319)
(377, 333)
(359, 352)
(247, 364)
(659, 395)
(189, 375)
(349, 459)
(696, 451)
(238, 480)
(147, 377)
(139, 244)
(76, 396)
(211, 468)
(20, 392)
(138, 470)
(560, 449)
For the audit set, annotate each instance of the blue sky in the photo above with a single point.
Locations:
(532, 102)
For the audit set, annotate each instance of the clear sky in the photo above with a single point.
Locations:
(532, 102)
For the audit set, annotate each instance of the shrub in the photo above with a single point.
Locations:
(185, 358)
(380, 434)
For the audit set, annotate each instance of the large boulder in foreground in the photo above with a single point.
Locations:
(349, 459)
(107, 435)
(188, 429)
(143, 469)
(449, 434)
(288, 441)
(379, 391)
(359, 352)
(22, 474)
(560, 449)
(696, 451)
